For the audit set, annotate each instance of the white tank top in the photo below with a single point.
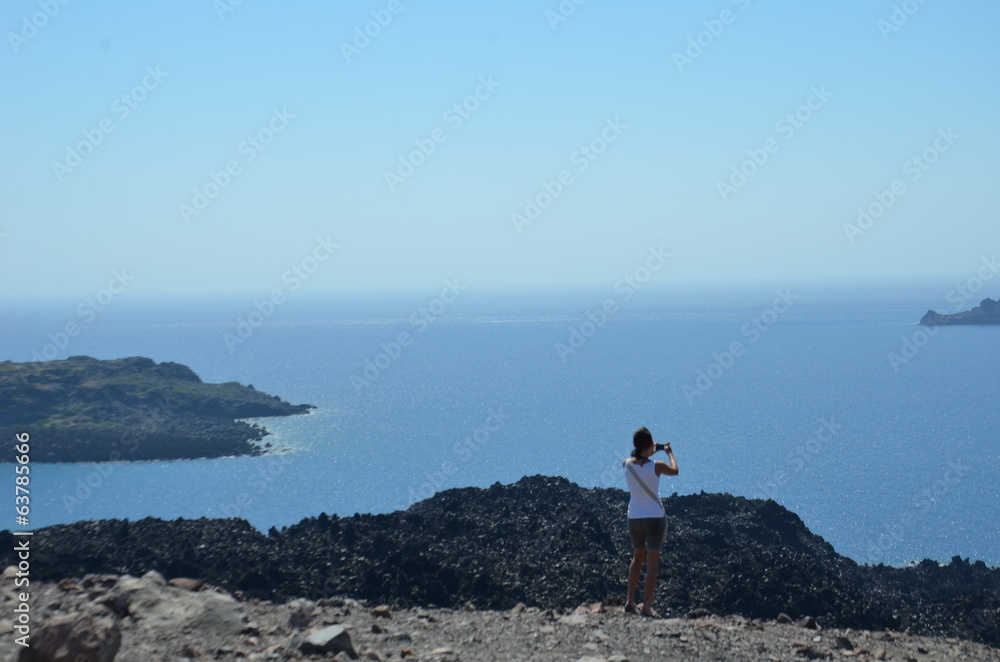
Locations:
(641, 504)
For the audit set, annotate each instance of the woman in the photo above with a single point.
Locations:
(647, 521)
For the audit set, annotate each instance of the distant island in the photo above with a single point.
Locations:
(83, 409)
(987, 312)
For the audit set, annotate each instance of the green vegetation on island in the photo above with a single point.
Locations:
(83, 409)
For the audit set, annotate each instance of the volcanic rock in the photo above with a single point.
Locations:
(543, 542)
(332, 639)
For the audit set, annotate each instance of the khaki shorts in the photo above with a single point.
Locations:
(648, 533)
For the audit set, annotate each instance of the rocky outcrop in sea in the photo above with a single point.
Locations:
(987, 312)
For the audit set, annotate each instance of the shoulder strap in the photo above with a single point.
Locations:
(650, 492)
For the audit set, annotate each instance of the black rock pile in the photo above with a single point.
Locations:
(545, 542)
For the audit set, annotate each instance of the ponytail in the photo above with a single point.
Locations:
(640, 439)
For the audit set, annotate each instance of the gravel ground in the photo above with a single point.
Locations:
(173, 622)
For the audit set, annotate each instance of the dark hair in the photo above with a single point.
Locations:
(640, 439)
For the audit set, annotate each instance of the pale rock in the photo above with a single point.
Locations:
(78, 637)
(187, 583)
(159, 606)
(332, 639)
(574, 619)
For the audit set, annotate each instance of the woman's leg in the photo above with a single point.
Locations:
(633, 576)
(652, 566)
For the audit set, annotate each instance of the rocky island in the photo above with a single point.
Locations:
(987, 312)
(741, 579)
(83, 409)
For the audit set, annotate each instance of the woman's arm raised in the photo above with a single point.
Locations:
(664, 469)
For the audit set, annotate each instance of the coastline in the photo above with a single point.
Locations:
(83, 409)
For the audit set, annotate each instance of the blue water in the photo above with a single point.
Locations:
(889, 462)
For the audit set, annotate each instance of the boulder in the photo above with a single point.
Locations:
(332, 639)
(187, 583)
(154, 604)
(79, 637)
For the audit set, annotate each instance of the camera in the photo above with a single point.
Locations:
(659, 447)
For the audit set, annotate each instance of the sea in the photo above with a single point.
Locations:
(881, 435)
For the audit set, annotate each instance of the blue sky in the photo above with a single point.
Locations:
(202, 80)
